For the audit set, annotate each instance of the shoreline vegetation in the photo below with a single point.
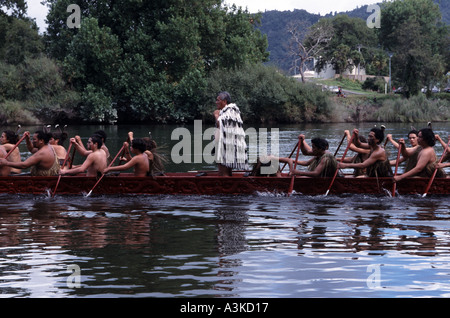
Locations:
(264, 95)
(165, 64)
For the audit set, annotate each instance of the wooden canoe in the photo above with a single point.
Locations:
(194, 183)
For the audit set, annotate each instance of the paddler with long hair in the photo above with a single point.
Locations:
(426, 160)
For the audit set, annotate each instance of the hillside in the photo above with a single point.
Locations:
(274, 24)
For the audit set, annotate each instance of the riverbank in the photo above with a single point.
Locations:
(390, 108)
(353, 108)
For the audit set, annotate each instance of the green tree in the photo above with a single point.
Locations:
(349, 44)
(413, 31)
(17, 7)
(19, 39)
(152, 57)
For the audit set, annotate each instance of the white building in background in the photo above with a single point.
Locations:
(328, 73)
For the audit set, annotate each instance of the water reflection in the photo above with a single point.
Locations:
(155, 247)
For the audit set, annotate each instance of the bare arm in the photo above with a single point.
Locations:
(130, 164)
(86, 164)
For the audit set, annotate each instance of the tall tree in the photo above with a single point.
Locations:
(413, 31)
(17, 7)
(174, 44)
(307, 42)
(344, 51)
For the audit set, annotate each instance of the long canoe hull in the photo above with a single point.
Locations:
(212, 184)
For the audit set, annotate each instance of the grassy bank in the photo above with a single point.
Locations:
(390, 108)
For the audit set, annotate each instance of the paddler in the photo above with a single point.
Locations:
(5, 170)
(9, 139)
(43, 162)
(154, 158)
(95, 162)
(139, 161)
(426, 160)
(377, 164)
(85, 152)
(324, 164)
(361, 154)
(409, 154)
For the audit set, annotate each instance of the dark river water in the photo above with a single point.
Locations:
(258, 246)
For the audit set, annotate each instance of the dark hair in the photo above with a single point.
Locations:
(320, 143)
(428, 136)
(362, 138)
(414, 131)
(150, 143)
(139, 144)
(379, 133)
(60, 136)
(42, 135)
(11, 136)
(225, 96)
(101, 133)
(97, 139)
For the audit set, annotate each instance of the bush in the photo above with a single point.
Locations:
(375, 84)
(97, 106)
(264, 95)
(415, 109)
(14, 112)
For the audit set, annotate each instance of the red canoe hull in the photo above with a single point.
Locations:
(211, 184)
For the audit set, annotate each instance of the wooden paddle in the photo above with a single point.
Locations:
(292, 152)
(121, 149)
(64, 164)
(340, 144)
(342, 159)
(291, 185)
(16, 145)
(435, 171)
(396, 168)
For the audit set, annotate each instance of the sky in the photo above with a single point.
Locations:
(38, 11)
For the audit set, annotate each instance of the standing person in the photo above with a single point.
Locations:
(9, 139)
(377, 164)
(229, 137)
(43, 162)
(96, 160)
(139, 162)
(426, 160)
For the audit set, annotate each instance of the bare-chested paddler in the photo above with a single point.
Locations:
(95, 162)
(42, 163)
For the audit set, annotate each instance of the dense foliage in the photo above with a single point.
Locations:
(264, 95)
(164, 61)
(148, 60)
